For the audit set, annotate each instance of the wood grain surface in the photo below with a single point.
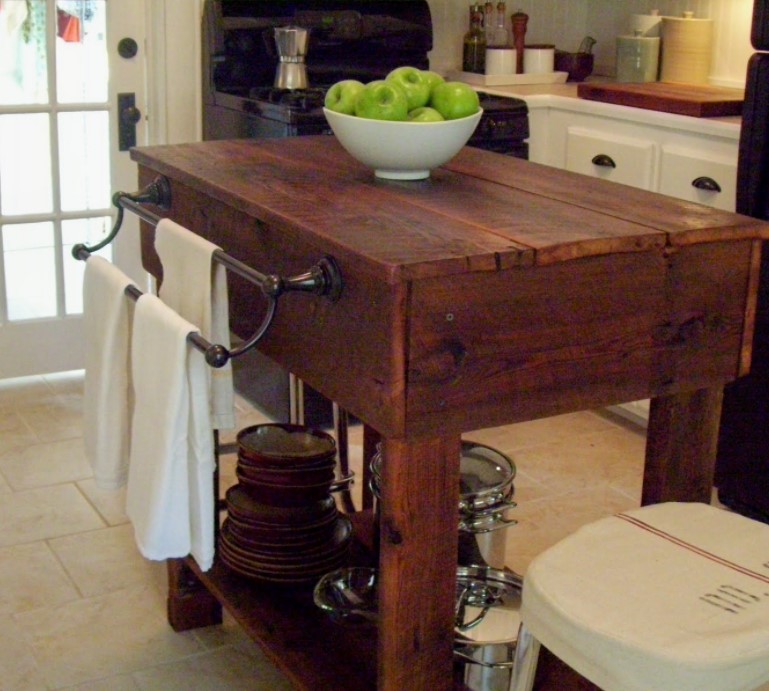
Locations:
(683, 99)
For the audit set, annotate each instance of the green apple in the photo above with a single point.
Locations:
(454, 100)
(414, 83)
(341, 96)
(382, 100)
(425, 114)
(433, 78)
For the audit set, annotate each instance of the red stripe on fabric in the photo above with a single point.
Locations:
(693, 548)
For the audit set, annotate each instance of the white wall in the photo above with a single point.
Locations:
(566, 22)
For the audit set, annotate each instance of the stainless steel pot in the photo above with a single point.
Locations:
(487, 623)
(486, 620)
(486, 491)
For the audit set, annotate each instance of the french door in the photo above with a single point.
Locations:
(60, 73)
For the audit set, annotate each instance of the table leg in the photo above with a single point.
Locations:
(681, 446)
(418, 562)
(189, 604)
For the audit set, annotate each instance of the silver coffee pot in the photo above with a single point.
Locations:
(291, 42)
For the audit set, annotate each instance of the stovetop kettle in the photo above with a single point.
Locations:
(291, 42)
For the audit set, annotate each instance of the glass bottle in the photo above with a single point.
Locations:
(489, 24)
(474, 46)
(501, 37)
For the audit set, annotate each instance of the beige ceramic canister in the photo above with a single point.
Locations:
(647, 24)
(637, 58)
(686, 49)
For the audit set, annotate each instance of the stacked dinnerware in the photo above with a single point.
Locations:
(282, 523)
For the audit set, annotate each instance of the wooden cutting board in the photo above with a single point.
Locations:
(683, 99)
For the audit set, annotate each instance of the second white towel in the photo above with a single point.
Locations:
(170, 498)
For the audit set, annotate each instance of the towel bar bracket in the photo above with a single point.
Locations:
(324, 278)
(158, 192)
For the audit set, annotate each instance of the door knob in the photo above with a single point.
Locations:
(128, 115)
(127, 48)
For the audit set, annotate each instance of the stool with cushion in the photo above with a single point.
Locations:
(668, 597)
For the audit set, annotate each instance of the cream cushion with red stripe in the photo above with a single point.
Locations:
(671, 597)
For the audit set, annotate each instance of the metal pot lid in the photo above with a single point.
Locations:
(488, 605)
(484, 469)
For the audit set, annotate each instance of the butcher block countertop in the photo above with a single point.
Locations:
(696, 100)
(478, 213)
(496, 291)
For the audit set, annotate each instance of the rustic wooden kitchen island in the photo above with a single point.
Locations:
(496, 291)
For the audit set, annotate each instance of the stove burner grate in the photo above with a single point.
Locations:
(302, 100)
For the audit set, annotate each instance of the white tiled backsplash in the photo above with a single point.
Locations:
(566, 22)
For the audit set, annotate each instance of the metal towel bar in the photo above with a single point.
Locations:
(323, 278)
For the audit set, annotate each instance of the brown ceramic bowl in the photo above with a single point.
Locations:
(280, 541)
(289, 476)
(279, 445)
(578, 65)
(268, 516)
(284, 495)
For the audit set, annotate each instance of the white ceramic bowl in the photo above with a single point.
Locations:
(401, 150)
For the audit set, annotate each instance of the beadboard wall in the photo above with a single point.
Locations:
(566, 22)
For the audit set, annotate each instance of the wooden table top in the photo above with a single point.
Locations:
(480, 212)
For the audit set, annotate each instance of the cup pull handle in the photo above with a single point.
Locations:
(604, 160)
(705, 183)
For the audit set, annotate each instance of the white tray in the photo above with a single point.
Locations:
(508, 79)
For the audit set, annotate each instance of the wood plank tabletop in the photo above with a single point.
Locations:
(482, 211)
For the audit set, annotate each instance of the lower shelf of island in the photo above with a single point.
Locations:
(313, 651)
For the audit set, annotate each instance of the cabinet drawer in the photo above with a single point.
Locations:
(690, 175)
(611, 157)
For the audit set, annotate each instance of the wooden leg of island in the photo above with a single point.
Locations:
(190, 605)
(681, 446)
(418, 562)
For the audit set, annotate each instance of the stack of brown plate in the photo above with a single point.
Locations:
(283, 525)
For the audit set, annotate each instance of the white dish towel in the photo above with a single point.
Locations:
(107, 395)
(170, 495)
(196, 288)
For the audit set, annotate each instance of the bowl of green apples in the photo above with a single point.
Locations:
(405, 125)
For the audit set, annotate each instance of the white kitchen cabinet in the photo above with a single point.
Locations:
(602, 154)
(689, 158)
(699, 176)
(661, 152)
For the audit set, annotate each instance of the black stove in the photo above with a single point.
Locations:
(349, 39)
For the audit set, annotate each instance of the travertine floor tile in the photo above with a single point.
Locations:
(39, 465)
(238, 668)
(109, 503)
(102, 561)
(119, 682)
(38, 514)
(18, 668)
(14, 432)
(93, 638)
(511, 438)
(31, 577)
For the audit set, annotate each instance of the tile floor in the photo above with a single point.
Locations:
(81, 609)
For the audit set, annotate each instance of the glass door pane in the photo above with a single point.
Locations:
(54, 159)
